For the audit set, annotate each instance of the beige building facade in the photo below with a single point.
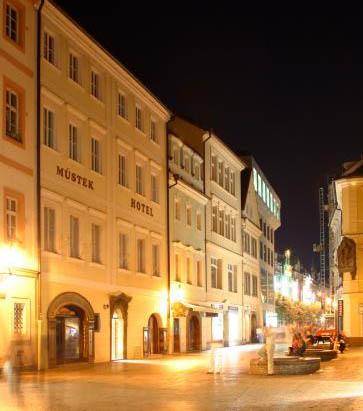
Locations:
(349, 254)
(251, 233)
(18, 234)
(103, 203)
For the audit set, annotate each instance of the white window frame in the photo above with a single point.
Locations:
(11, 33)
(95, 84)
(74, 143)
(11, 218)
(124, 242)
(96, 155)
(74, 237)
(155, 188)
(123, 170)
(155, 253)
(49, 138)
(154, 131)
(122, 105)
(139, 118)
(49, 50)
(12, 116)
(141, 255)
(96, 234)
(139, 180)
(74, 67)
(50, 229)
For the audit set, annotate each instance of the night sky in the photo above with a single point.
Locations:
(288, 89)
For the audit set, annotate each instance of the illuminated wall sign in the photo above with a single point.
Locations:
(74, 177)
(143, 208)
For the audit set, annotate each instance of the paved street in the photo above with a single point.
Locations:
(182, 383)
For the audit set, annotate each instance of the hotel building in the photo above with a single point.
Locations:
(19, 263)
(104, 277)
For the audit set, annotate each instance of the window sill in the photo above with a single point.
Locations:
(53, 254)
(77, 84)
(77, 260)
(52, 65)
(51, 149)
(96, 265)
(123, 119)
(124, 270)
(97, 100)
(156, 277)
(97, 173)
(140, 131)
(156, 143)
(142, 274)
(123, 187)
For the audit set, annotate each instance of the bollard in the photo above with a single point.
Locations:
(215, 360)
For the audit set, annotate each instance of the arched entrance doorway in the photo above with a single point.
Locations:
(193, 332)
(70, 330)
(153, 327)
(117, 336)
(253, 328)
(119, 310)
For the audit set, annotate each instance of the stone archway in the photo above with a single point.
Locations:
(70, 302)
(119, 307)
(194, 331)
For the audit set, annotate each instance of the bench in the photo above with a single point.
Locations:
(286, 365)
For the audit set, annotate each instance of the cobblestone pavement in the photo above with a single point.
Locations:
(182, 383)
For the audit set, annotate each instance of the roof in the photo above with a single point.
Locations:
(353, 169)
(189, 133)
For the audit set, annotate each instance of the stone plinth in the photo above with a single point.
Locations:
(286, 366)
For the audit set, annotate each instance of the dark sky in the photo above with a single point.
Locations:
(289, 89)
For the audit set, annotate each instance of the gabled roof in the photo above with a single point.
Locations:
(353, 168)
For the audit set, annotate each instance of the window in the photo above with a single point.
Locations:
(272, 236)
(186, 163)
(121, 105)
(264, 229)
(154, 189)
(189, 272)
(74, 237)
(19, 318)
(220, 173)
(138, 118)
(177, 268)
(213, 272)
(227, 226)
(246, 243)
(176, 156)
(199, 274)
(214, 219)
(254, 247)
(233, 183)
(13, 21)
(122, 170)
(11, 218)
(221, 222)
(95, 84)
(139, 180)
(219, 274)
(261, 250)
(255, 179)
(74, 68)
(141, 255)
(267, 197)
(199, 221)
(230, 277)
(247, 284)
(96, 243)
(264, 253)
(263, 191)
(49, 135)
(13, 115)
(235, 287)
(226, 179)
(233, 228)
(259, 181)
(177, 210)
(123, 251)
(49, 229)
(156, 260)
(189, 215)
(153, 132)
(197, 171)
(214, 168)
(49, 48)
(254, 286)
(95, 155)
(74, 152)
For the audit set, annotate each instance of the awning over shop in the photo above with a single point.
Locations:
(180, 309)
